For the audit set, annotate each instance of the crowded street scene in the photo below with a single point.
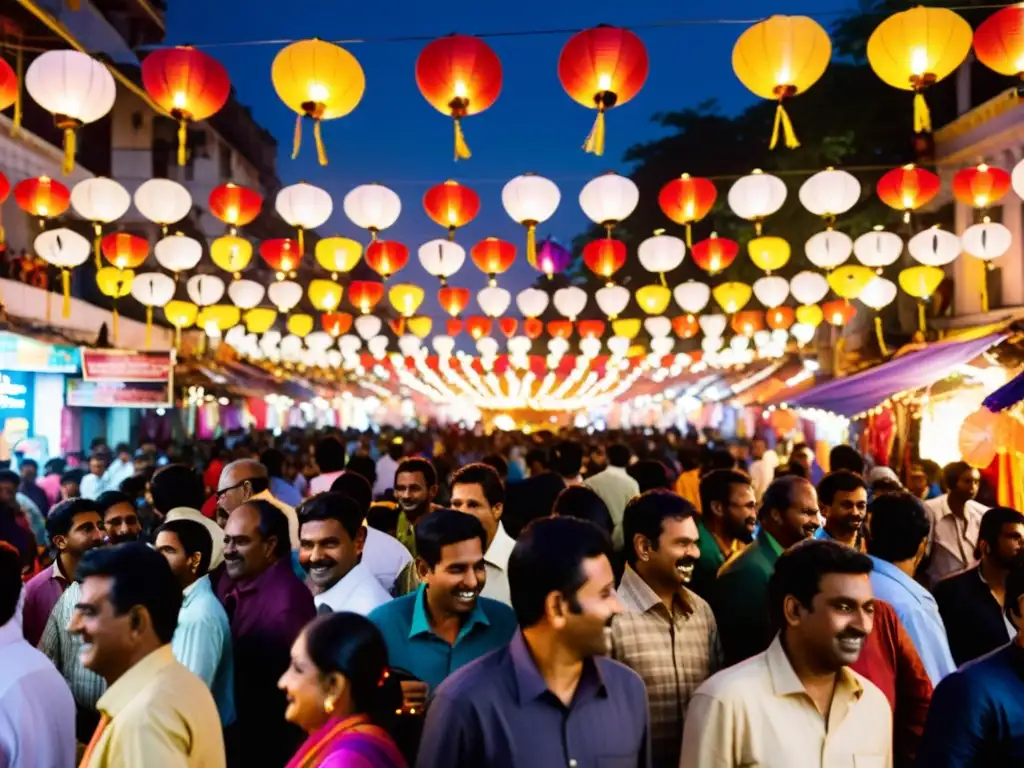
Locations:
(569, 386)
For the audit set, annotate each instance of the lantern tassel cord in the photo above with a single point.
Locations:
(98, 232)
(689, 236)
(19, 63)
(114, 323)
(880, 336)
(921, 318)
(182, 142)
(177, 337)
(70, 148)
(922, 116)
(302, 242)
(461, 147)
(595, 141)
(664, 282)
(65, 277)
(783, 123)
(984, 288)
(297, 137)
(531, 245)
(321, 151)
(149, 324)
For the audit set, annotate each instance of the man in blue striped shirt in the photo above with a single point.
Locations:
(202, 639)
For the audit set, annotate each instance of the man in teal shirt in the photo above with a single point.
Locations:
(725, 526)
(444, 624)
(788, 514)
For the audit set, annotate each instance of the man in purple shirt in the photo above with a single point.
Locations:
(267, 606)
(551, 697)
(75, 526)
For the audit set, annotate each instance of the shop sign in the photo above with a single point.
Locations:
(117, 365)
(21, 353)
(118, 394)
(16, 396)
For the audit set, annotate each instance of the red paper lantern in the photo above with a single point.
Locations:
(397, 325)
(282, 254)
(907, 188)
(981, 186)
(453, 300)
(478, 326)
(686, 200)
(364, 295)
(533, 327)
(779, 318)
(451, 205)
(42, 196)
(685, 326)
(999, 41)
(385, 257)
(234, 205)
(8, 84)
(604, 257)
(839, 312)
(5, 190)
(336, 323)
(601, 68)
(560, 329)
(188, 84)
(493, 256)
(459, 75)
(508, 326)
(590, 328)
(124, 251)
(454, 327)
(714, 254)
(748, 322)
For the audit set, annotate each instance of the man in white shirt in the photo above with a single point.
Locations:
(37, 711)
(955, 519)
(478, 491)
(387, 466)
(94, 483)
(330, 458)
(332, 536)
(121, 468)
(615, 487)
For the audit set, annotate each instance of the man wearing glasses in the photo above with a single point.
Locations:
(726, 525)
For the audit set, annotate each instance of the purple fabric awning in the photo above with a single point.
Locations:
(855, 394)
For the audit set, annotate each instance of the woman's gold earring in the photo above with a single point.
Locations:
(329, 705)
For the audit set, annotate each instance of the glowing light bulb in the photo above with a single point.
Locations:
(460, 89)
(179, 100)
(318, 92)
(121, 262)
(714, 264)
(919, 61)
(232, 215)
(286, 264)
(604, 82)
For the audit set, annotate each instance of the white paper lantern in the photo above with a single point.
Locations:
(662, 345)
(368, 326)
(246, 294)
(934, 247)
(986, 241)
(493, 300)
(879, 293)
(152, 289)
(334, 358)
(558, 346)
(739, 343)
(713, 325)
(830, 193)
(609, 199)
(530, 199)
(408, 344)
(878, 249)
(373, 207)
(762, 338)
(808, 287)
(771, 291)
(711, 344)
(802, 332)
(178, 253)
(284, 294)
(350, 344)
(205, 290)
(780, 336)
(100, 200)
(442, 258)
(1017, 179)
(319, 341)
(618, 345)
(304, 206)
(235, 337)
(519, 346)
(828, 249)
(658, 326)
(291, 348)
(62, 247)
(570, 301)
(378, 347)
(487, 347)
(661, 253)
(757, 196)
(532, 302)
(163, 201)
(443, 345)
(590, 347)
(612, 299)
(692, 296)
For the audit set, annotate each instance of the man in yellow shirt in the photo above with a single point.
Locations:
(154, 711)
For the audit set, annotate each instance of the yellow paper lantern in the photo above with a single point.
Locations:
(231, 253)
(781, 57)
(810, 314)
(653, 299)
(218, 318)
(732, 297)
(769, 253)
(419, 327)
(627, 329)
(260, 319)
(917, 48)
(320, 81)
(338, 254)
(325, 295)
(180, 314)
(300, 325)
(921, 282)
(848, 281)
(637, 350)
(406, 298)
(115, 283)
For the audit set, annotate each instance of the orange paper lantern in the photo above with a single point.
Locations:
(385, 257)
(685, 326)
(748, 322)
(533, 327)
(999, 41)
(336, 323)
(604, 257)
(454, 327)
(478, 326)
(590, 329)
(453, 300)
(907, 188)
(364, 295)
(5, 190)
(124, 251)
(839, 312)
(981, 186)
(714, 254)
(508, 326)
(687, 200)
(8, 84)
(234, 205)
(493, 256)
(779, 318)
(451, 205)
(42, 197)
(282, 254)
(560, 329)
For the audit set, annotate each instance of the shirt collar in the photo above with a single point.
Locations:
(887, 569)
(637, 595)
(421, 623)
(56, 573)
(131, 683)
(200, 585)
(500, 550)
(345, 586)
(785, 681)
(530, 683)
(771, 541)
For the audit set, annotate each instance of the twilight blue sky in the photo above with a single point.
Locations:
(394, 137)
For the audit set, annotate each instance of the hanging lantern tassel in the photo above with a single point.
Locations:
(149, 323)
(321, 152)
(70, 148)
(182, 142)
(689, 235)
(783, 122)
(921, 318)
(65, 277)
(531, 243)
(461, 147)
(922, 116)
(114, 322)
(177, 336)
(984, 287)
(97, 229)
(880, 336)
(19, 63)
(595, 141)
(297, 137)
(664, 282)
(302, 241)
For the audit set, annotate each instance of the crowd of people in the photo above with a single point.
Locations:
(448, 600)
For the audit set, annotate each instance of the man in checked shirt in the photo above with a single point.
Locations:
(668, 634)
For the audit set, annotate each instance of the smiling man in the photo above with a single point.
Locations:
(843, 496)
(726, 524)
(120, 520)
(415, 489)
(478, 490)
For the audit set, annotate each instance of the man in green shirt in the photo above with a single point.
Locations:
(725, 526)
(788, 514)
(415, 489)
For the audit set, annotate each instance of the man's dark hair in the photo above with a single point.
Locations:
(646, 515)
(951, 473)
(899, 523)
(800, 569)
(584, 503)
(885, 485)
(383, 517)
(548, 557)
(444, 527)
(62, 516)
(992, 523)
(73, 476)
(10, 476)
(418, 464)
(801, 447)
(194, 538)
(29, 463)
(498, 463)
(650, 475)
(177, 485)
(330, 454)
(567, 458)
(720, 458)
(11, 562)
(141, 577)
(396, 449)
(123, 448)
(779, 495)
(363, 465)
(716, 485)
(108, 499)
(838, 481)
(273, 523)
(356, 487)
(1013, 594)
(333, 506)
(619, 455)
(537, 456)
(273, 460)
(483, 475)
(845, 457)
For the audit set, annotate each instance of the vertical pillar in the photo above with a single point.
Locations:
(1011, 263)
(967, 272)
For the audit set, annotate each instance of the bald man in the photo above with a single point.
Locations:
(246, 479)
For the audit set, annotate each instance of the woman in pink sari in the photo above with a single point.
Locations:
(335, 686)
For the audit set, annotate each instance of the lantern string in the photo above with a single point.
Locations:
(19, 86)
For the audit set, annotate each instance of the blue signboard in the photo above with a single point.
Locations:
(20, 353)
(16, 393)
